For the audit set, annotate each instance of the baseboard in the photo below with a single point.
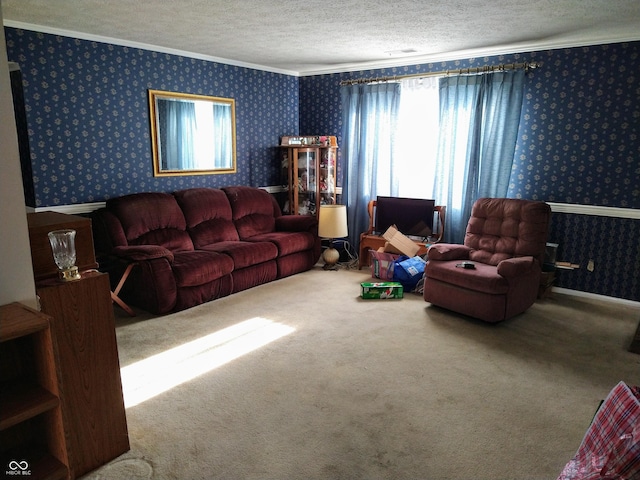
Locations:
(595, 296)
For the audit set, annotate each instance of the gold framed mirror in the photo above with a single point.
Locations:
(192, 134)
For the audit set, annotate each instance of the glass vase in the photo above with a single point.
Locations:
(63, 246)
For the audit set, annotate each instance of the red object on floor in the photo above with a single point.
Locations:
(610, 448)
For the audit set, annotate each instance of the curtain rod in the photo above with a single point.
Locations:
(446, 73)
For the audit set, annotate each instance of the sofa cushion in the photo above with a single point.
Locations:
(199, 267)
(484, 278)
(296, 263)
(287, 242)
(254, 275)
(208, 215)
(151, 218)
(245, 254)
(253, 210)
(190, 296)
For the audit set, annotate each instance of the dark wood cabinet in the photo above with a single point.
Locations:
(92, 400)
(31, 422)
(83, 324)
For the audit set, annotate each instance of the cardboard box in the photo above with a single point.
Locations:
(381, 290)
(388, 248)
(382, 264)
(399, 243)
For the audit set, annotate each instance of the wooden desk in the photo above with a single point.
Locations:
(370, 241)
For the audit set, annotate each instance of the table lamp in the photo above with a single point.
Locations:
(63, 246)
(332, 224)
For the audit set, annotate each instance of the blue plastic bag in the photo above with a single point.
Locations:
(408, 271)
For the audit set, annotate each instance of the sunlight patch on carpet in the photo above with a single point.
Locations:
(162, 372)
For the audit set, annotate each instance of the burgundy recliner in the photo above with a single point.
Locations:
(505, 241)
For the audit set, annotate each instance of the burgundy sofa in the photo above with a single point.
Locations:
(193, 246)
(505, 241)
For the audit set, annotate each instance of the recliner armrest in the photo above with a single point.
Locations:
(137, 253)
(513, 267)
(448, 251)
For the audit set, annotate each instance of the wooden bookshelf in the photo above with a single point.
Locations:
(31, 419)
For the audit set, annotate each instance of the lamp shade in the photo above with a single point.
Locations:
(333, 221)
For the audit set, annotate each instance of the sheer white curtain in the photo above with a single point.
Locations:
(417, 138)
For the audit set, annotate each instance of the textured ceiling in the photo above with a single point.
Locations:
(313, 36)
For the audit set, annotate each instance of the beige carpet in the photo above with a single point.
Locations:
(345, 388)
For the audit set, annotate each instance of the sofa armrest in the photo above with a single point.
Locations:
(137, 253)
(297, 223)
(514, 267)
(448, 251)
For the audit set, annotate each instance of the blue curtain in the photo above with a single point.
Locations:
(479, 119)
(179, 123)
(223, 136)
(369, 116)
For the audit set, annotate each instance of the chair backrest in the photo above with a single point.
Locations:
(151, 218)
(501, 228)
(253, 209)
(207, 212)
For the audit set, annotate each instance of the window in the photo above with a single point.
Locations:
(417, 139)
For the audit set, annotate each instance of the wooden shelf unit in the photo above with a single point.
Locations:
(83, 324)
(31, 418)
(93, 403)
(309, 166)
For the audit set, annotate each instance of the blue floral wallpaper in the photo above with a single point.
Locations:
(579, 139)
(612, 243)
(578, 143)
(87, 111)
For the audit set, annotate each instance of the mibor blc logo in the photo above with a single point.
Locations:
(18, 468)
